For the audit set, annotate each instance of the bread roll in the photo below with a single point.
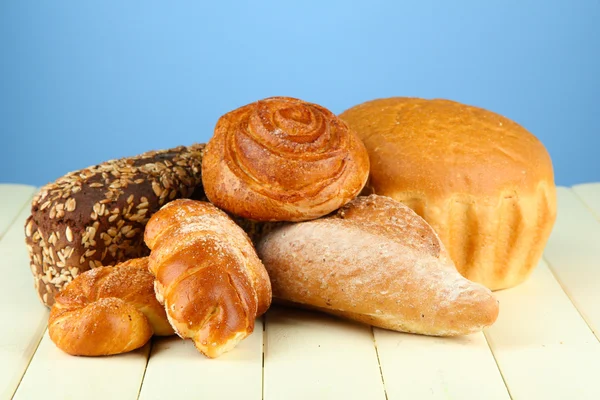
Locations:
(208, 275)
(96, 216)
(108, 310)
(483, 182)
(283, 159)
(375, 261)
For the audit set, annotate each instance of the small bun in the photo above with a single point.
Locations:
(108, 310)
(283, 159)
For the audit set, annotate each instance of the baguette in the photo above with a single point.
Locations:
(377, 262)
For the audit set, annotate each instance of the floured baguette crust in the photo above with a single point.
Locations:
(375, 261)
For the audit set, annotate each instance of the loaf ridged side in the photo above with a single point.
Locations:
(495, 242)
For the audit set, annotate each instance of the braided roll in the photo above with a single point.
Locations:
(283, 159)
(208, 276)
(108, 310)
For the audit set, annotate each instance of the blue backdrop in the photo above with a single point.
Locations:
(82, 82)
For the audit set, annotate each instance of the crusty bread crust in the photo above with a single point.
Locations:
(377, 262)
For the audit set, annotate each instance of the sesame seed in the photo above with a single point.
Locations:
(69, 234)
(130, 199)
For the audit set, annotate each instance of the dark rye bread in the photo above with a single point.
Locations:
(96, 216)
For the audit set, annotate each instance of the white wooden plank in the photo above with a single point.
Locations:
(543, 347)
(573, 255)
(590, 194)
(12, 199)
(424, 367)
(54, 374)
(177, 370)
(309, 355)
(22, 312)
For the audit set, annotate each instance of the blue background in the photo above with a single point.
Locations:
(82, 82)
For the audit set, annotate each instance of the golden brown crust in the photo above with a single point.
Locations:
(483, 182)
(441, 147)
(108, 310)
(283, 159)
(208, 275)
(377, 262)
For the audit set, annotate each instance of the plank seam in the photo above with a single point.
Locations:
(566, 292)
(555, 275)
(379, 363)
(582, 201)
(487, 341)
(146, 366)
(29, 363)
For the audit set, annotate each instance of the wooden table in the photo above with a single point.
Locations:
(545, 344)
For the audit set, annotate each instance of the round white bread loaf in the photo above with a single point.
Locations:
(482, 181)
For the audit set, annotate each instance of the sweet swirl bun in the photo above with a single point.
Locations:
(283, 159)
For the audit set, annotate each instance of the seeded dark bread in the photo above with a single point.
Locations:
(96, 216)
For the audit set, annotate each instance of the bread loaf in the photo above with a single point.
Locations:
(283, 159)
(108, 310)
(208, 276)
(96, 216)
(375, 261)
(482, 181)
